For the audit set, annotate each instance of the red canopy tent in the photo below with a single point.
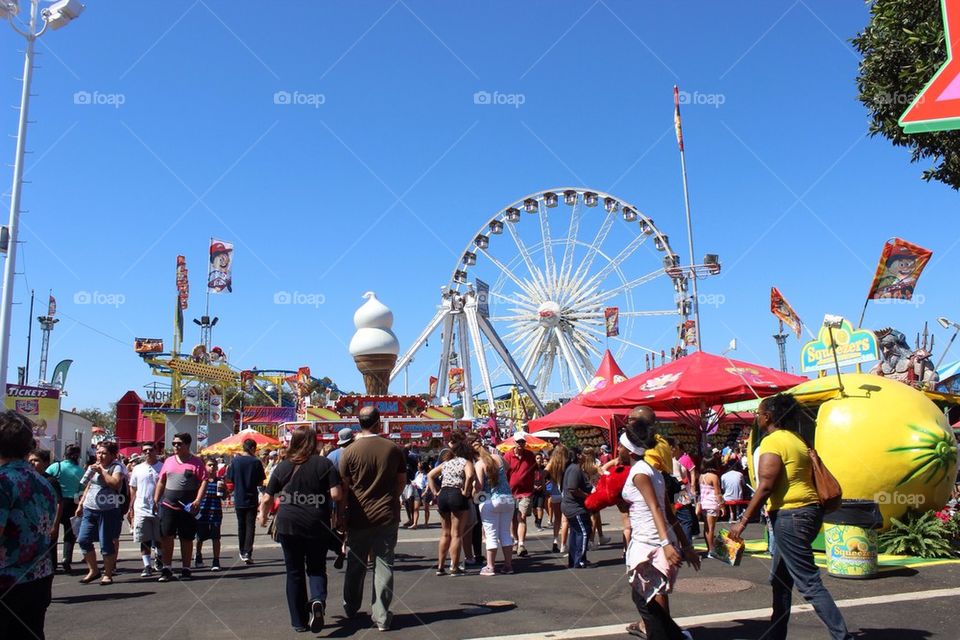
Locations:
(697, 381)
(577, 414)
(693, 387)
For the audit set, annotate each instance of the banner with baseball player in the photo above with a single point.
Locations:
(220, 275)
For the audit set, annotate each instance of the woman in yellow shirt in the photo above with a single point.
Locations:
(785, 483)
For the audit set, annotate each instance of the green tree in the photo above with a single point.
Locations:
(100, 418)
(902, 49)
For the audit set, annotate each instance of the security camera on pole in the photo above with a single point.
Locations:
(55, 16)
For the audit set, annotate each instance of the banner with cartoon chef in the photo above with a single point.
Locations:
(220, 278)
(901, 264)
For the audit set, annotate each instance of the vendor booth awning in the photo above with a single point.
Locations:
(234, 444)
(693, 382)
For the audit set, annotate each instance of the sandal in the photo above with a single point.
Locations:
(105, 581)
(636, 630)
(88, 579)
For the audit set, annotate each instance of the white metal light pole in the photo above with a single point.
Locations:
(55, 16)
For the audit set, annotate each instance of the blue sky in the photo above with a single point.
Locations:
(387, 167)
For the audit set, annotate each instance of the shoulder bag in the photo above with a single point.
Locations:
(829, 491)
(272, 525)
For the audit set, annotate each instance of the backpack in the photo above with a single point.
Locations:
(124, 496)
(608, 489)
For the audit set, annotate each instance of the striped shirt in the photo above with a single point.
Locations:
(211, 505)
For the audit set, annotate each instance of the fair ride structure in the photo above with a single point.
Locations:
(542, 289)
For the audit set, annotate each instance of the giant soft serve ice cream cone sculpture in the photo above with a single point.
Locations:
(374, 347)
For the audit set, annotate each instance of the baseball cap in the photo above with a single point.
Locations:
(344, 436)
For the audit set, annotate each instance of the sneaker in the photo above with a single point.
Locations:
(147, 572)
(556, 548)
(385, 625)
(215, 566)
(165, 575)
(522, 553)
(316, 616)
(488, 571)
(186, 574)
(338, 563)
(158, 563)
(603, 539)
(441, 571)
(243, 557)
(248, 559)
(461, 567)
(507, 569)
(458, 572)
(563, 548)
(198, 562)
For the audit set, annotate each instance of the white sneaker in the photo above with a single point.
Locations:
(563, 548)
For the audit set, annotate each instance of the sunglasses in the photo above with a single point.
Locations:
(177, 443)
(147, 450)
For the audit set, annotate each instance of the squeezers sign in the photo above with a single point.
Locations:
(853, 346)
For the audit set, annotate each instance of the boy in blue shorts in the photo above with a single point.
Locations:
(210, 516)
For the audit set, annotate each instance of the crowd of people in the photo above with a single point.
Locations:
(349, 500)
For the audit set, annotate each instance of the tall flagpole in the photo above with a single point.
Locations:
(686, 201)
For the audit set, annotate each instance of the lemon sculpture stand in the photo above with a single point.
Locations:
(885, 442)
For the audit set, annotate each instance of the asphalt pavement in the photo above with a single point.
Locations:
(543, 599)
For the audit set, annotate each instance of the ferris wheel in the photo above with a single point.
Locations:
(542, 277)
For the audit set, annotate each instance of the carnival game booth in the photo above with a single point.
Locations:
(694, 389)
(405, 418)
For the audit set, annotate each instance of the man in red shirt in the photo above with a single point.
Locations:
(605, 455)
(521, 467)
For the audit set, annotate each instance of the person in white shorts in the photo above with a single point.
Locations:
(143, 516)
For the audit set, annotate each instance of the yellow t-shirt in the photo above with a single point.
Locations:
(794, 488)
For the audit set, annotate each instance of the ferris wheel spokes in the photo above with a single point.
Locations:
(604, 295)
(550, 266)
(535, 273)
(573, 230)
(567, 350)
(617, 260)
(584, 268)
(509, 273)
(534, 349)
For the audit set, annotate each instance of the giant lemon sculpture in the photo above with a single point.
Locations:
(884, 441)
